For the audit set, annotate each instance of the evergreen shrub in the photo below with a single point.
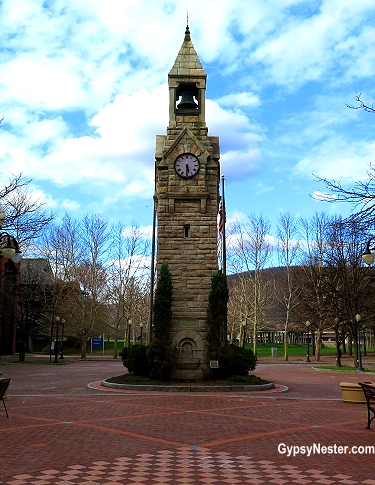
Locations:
(135, 359)
(160, 354)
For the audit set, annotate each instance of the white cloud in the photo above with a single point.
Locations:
(337, 158)
(322, 196)
(43, 83)
(240, 141)
(305, 48)
(239, 100)
(121, 151)
(69, 205)
(103, 64)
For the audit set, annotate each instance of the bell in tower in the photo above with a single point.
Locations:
(187, 95)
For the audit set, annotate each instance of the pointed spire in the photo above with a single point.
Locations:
(187, 62)
(187, 34)
(187, 31)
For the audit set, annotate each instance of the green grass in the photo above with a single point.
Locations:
(264, 350)
(346, 368)
(39, 362)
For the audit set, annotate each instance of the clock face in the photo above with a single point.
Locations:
(186, 165)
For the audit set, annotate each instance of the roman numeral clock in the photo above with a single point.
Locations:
(187, 197)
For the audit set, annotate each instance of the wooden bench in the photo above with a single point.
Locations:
(4, 384)
(369, 392)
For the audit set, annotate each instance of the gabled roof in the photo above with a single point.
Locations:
(35, 271)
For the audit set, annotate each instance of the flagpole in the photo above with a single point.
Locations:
(150, 319)
(224, 249)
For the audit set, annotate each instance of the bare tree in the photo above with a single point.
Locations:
(349, 283)
(240, 306)
(361, 196)
(288, 293)
(33, 299)
(362, 193)
(315, 301)
(249, 251)
(128, 276)
(362, 105)
(26, 215)
(79, 253)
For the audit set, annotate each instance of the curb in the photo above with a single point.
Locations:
(166, 388)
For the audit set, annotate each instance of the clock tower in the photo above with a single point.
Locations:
(187, 197)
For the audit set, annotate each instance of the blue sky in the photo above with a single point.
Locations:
(83, 92)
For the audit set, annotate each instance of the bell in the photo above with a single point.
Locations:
(187, 101)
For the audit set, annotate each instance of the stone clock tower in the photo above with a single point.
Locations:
(187, 197)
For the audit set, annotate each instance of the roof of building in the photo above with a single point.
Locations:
(35, 271)
(187, 63)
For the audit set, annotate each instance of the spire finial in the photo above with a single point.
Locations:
(187, 31)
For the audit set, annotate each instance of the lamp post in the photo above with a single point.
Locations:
(338, 350)
(243, 333)
(10, 251)
(308, 341)
(9, 248)
(51, 343)
(359, 355)
(56, 347)
(368, 256)
(62, 339)
(129, 329)
(141, 327)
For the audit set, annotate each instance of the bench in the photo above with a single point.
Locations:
(369, 392)
(4, 384)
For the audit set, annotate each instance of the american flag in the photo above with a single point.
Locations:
(222, 218)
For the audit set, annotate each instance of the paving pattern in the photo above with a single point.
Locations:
(185, 466)
(62, 433)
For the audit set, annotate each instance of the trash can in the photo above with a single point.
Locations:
(274, 351)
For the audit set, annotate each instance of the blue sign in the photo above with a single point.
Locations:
(97, 342)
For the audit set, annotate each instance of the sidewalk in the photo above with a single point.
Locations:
(62, 432)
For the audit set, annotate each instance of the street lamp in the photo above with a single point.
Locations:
(141, 327)
(56, 347)
(243, 328)
(338, 350)
(10, 256)
(9, 247)
(359, 355)
(62, 339)
(129, 328)
(308, 341)
(368, 256)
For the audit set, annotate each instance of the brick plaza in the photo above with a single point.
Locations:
(61, 431)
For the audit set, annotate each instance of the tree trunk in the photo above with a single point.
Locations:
(350, 346)
(83, 346)
(255, 337)
(318, 343)
(286, 345)
(115, 346)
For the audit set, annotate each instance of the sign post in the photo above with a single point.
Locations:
(97, 342)
(214, 364)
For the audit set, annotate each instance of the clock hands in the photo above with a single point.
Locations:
(186, 165)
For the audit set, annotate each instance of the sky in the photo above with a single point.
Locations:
(83, 93)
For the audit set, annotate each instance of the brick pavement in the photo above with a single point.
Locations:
(61, 432)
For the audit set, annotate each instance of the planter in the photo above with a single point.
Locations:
(352, 392)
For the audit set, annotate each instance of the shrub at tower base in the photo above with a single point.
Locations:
(233, 360)
(160, 355)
